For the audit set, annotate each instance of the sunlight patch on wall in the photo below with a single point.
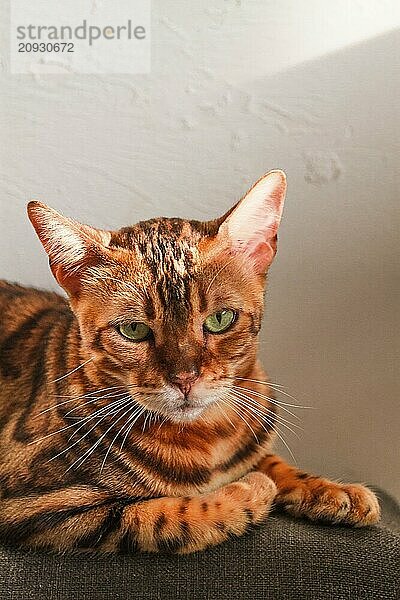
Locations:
(268, 37)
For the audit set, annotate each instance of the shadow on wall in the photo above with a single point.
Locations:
(330, 330)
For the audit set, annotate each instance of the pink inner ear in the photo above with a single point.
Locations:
(70, 282)
(253, 223)
(263, 254)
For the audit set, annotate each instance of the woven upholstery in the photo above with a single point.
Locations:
(286, 559)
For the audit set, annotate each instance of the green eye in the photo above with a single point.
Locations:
(220, 321)
(135, 331)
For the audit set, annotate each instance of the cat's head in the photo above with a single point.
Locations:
(168, 305)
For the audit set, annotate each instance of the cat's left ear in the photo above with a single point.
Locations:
(251, 226)
(71, 246)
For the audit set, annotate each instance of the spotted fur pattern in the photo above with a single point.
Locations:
(98, 449)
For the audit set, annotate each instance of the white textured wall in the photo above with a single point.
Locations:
(237, 88)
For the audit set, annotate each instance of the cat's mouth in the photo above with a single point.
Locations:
(180, 407)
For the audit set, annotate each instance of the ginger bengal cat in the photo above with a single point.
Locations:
(136, 415)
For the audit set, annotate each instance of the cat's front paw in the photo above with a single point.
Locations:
(254, 494)
(323, 500)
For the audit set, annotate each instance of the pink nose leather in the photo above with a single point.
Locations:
(185, 380)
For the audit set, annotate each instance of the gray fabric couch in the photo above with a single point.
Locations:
(284, 560)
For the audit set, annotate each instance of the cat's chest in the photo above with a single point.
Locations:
(232, 458)
(197, 467)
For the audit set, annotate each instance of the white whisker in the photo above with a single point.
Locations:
(284, 441)
(251, 415)
(80, 439)
(72, 398)
(88, 452)
(270, 416)
(226, 400)
(280, 435)
(281, 405)
(111, 395)
(130, 427)
(145, 421)
(73, 424)
(278, 390)
(119, 432)
(162, 422)
(225, 415)
(114, 406)
(240, 390)
(73, 371)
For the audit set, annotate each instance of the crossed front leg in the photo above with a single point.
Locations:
(319, 499)
(85, 518)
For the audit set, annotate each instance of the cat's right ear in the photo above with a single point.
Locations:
(71, 246)
(251, 226)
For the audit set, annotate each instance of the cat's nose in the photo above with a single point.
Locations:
(184, 379)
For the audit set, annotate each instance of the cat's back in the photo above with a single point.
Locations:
(23, 311)
(34, 327)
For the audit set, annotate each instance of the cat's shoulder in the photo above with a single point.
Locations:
(10, 292)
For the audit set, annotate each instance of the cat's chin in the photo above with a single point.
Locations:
(185, 414)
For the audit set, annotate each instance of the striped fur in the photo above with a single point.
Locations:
(159, 473)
